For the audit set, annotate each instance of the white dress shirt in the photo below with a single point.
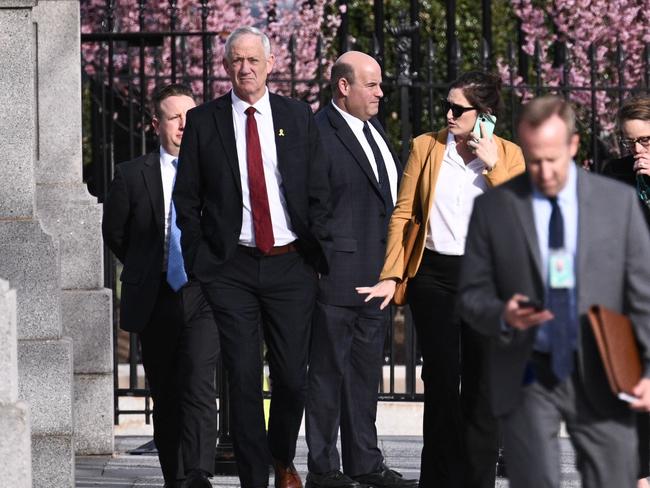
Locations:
(457, 186)
(282, 231)
(356, 125)
(168, 174)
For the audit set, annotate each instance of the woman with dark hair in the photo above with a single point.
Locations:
(445, 172)
(634, 169)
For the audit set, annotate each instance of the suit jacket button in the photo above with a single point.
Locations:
(382, 215)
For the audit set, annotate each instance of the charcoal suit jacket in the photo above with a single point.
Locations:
(502, 257)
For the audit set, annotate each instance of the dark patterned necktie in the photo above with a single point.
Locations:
(262, 224)
(384, 183)
(562, 326)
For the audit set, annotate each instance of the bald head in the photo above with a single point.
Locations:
(356, 84)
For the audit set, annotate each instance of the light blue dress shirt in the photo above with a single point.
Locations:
(568, 202)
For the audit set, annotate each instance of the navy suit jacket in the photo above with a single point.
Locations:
(208, 194)
(359, 218)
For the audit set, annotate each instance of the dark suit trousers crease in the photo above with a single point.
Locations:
(278, 292)
(344, 373)
(166, 344)
(460, 435)
(198, 356)
(159, 342)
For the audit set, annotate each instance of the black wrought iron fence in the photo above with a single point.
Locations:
(125, 67)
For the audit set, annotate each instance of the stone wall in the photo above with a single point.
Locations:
(71, 215)
(15, 450)
(51, 249)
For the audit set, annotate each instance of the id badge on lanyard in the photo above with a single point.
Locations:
(560, 269)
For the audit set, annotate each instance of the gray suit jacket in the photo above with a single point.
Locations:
(502, 258)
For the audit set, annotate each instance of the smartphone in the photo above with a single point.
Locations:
(627, 398)
(534, 304)
(488, 121)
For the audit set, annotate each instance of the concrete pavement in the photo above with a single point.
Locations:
(123, 470)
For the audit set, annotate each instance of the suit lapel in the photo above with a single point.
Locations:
(587, 219)
(226, 131)
(523, 207)
(153, 182)
(282, 131)
(433, 170)
(349, 140)
(398, 164)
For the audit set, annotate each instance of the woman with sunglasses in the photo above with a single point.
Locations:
(634, 169)
(445, 172)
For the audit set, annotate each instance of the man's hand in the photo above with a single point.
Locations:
(385, 289)
(523, 318)
(642, 392)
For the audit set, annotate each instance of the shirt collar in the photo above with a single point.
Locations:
(166, 158)
(451, 140)
(263, 105)
(569, 194)
(353, 122)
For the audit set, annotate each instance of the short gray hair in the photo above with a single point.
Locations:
(247, 30)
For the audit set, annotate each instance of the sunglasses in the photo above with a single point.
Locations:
(456, 110)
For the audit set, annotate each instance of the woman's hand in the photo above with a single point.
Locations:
(485, 148)
(642, 163)
(384, 289)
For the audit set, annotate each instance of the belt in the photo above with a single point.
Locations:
(275, 251)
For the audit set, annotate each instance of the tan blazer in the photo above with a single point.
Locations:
(417, 191)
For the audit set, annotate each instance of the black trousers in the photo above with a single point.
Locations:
(344, 373)
(164, 343)
(460, 435)
(279, 292)
(198, 356)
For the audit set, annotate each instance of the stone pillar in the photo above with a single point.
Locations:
(15, 451)
(70, 214)
(31, 259)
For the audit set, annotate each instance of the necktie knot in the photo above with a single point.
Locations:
(175, 163)
(250, 111)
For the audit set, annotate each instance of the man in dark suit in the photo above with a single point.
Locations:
(348, 334)
(158, 302)
(547, 236)
(252, 200)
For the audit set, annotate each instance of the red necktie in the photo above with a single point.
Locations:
(257, 186)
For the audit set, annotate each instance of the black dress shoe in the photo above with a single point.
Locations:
(386, 478)
(333, 479)
(198, 480)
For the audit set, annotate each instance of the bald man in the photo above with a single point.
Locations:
(348, 334)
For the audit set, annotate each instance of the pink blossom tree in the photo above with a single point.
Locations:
(579, 24)
(313, 24)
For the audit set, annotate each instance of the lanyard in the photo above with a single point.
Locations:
(643, 190)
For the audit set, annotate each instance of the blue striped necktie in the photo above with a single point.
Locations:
(176, 276)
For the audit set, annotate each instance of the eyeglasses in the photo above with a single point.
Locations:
(456, 110)
(629, 144)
